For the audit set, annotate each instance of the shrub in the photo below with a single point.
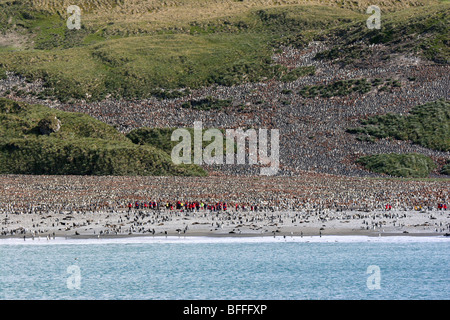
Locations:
(446, 168)
(400, 165)
(2, 74)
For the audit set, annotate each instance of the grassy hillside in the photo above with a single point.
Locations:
(410, 165)
(140, 48)
(415, 30)
(134, 48)
(427, 125)
(79, 144)
(91, 63)
(165, 12)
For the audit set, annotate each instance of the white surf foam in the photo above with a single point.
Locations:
(224, 239)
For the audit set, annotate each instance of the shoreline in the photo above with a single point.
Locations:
(138, 223)
(198, 239)
(215, 235)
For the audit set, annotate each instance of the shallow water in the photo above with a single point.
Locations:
(226, 268)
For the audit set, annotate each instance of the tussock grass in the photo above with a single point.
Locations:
(161, 138)
(410, 165)
(427, 125)
(414, 30)
(82, 146)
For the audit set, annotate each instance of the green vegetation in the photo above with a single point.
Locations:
(399, 165)
(115, 59)
(427, 125)
(126, 50)
(345, 54)
(297, 73)
(81, 145)
(169, 94)
(157, 137)
(136, 67)
(49, 30)
(446, 168)
(161, 138)
(413, 30)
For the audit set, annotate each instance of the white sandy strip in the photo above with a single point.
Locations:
(218, 240)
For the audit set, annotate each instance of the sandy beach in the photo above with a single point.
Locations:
(205, 223)
(311, 205)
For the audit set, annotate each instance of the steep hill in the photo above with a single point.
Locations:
(106, 59)
(311, 69)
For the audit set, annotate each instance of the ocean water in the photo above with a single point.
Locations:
(226, 268)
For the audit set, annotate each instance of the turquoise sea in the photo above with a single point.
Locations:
(226, 268)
